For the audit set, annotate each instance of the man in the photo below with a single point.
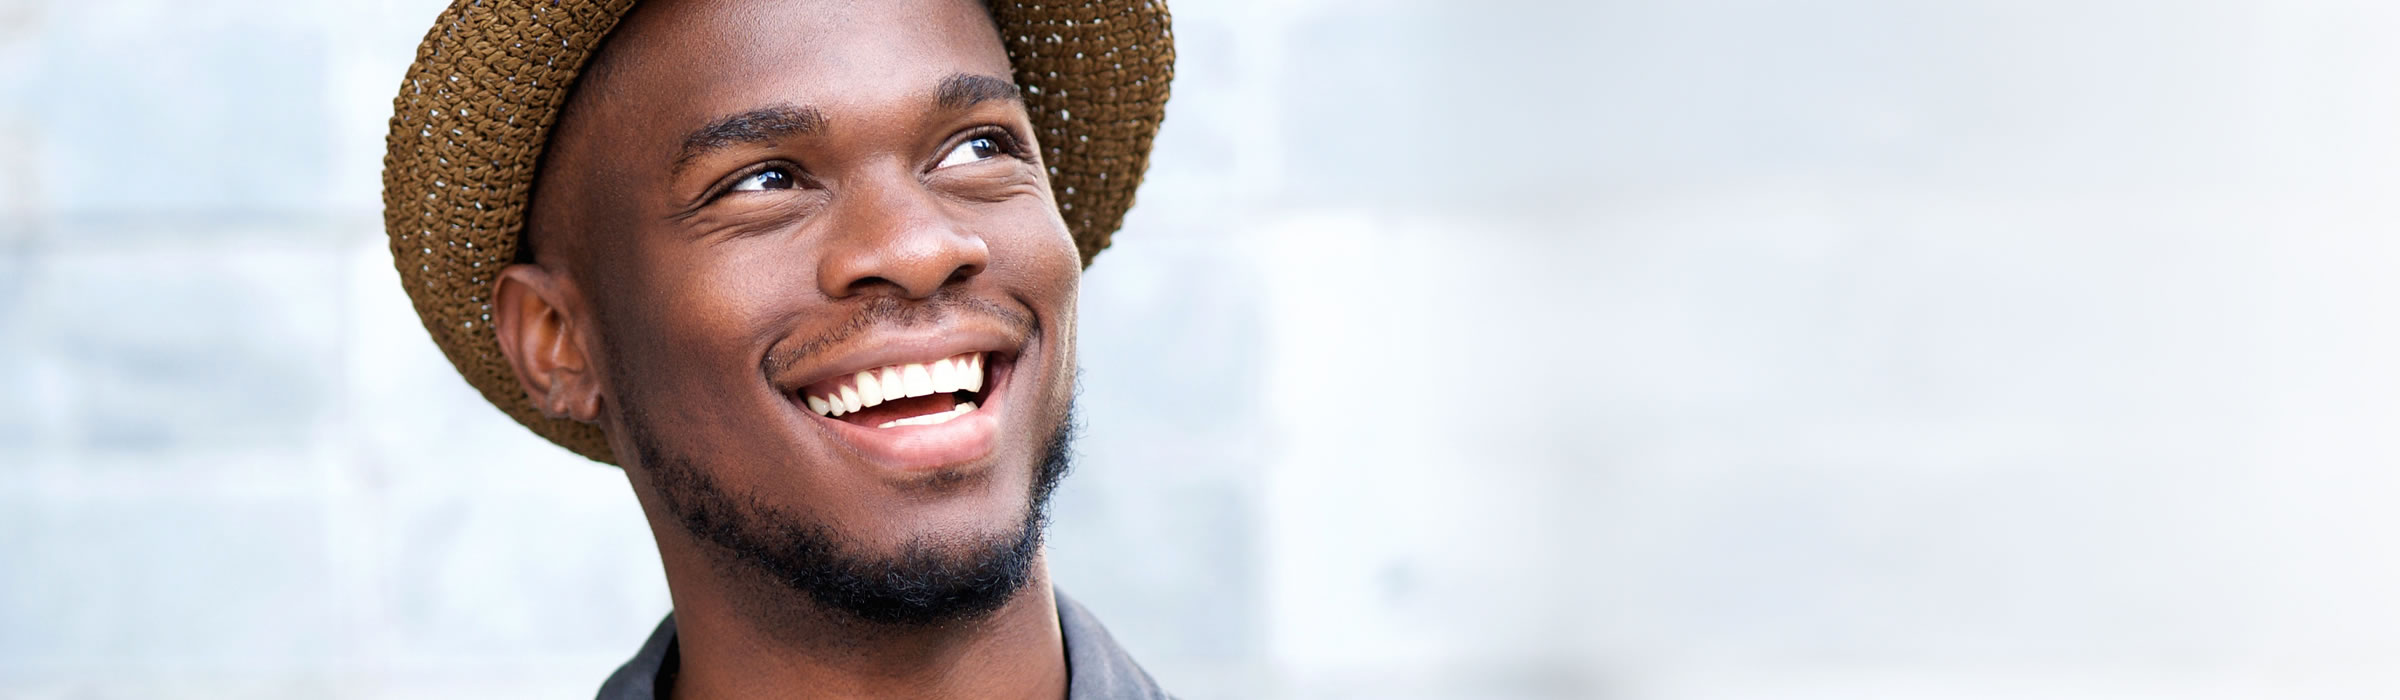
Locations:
(807, 271)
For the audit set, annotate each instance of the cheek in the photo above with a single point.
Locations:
(1033, 251)
(691, 324)
(1037, 259)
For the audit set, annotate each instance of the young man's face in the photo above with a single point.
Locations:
(757, 201)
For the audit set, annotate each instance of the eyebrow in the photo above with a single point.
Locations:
(956, 92)
(963, 90)
(755, 126)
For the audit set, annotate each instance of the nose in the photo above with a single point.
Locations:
(898, 237)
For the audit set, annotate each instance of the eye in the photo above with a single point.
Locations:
(768, 179)
(971, 150)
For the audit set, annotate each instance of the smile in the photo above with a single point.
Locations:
(914, 401)
(900, 395)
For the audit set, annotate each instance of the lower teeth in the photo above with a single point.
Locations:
(933, 419)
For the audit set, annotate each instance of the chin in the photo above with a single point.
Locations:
(953, 543)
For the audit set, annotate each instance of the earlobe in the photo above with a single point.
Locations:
(537, 323)
(582, 405)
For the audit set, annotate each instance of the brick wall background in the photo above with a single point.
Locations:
(1514, 349)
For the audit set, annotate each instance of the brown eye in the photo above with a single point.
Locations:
(768, 179)
(971, 150)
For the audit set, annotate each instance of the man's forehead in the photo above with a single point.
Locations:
(719, 57)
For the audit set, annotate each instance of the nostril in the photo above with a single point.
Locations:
(864, 285)
(962, 273)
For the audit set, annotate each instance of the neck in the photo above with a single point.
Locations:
(741, 636)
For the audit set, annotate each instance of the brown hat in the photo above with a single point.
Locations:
(476, 109)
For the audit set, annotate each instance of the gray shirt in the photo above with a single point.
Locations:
(1097, 669)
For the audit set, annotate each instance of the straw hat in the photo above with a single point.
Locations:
(476, 109)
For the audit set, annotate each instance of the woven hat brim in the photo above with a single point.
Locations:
(477, 106)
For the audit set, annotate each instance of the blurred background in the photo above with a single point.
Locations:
(1620, 349)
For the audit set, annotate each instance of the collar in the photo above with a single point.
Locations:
(1097, 669)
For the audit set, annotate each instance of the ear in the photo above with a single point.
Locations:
(539, 321)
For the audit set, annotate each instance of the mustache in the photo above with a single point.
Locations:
(888, 312)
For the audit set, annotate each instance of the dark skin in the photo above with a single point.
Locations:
(863, 159)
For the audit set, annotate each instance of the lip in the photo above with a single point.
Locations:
(917, 451)
(921, 450)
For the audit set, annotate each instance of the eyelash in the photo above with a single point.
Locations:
(790, 169)
(1007, 139)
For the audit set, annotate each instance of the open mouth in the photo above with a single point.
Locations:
(908, 394)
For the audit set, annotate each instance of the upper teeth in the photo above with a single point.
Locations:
(875, 386)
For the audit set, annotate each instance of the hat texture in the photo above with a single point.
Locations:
(475, 112)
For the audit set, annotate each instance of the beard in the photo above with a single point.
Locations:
(929, 581)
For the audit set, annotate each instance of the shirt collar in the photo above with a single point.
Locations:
(1097, 669)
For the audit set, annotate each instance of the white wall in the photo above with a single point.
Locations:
(1846, 349)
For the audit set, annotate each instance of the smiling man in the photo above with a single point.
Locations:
(807, 271)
